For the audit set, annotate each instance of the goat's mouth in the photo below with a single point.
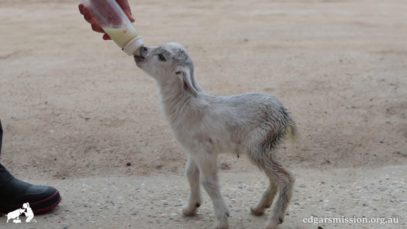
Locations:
(139, 58)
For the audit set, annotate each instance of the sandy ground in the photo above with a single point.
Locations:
(154, 202)
(77, 111)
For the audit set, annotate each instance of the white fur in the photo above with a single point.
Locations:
(208, 125)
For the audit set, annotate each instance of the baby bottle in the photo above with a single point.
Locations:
(116, 24)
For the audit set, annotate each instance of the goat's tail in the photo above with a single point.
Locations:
(292, 132)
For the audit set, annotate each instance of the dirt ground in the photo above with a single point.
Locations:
(75, 107)
(155, 202)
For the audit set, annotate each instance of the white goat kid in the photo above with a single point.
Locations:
(207, 125)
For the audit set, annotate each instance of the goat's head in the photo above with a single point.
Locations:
(168, 63)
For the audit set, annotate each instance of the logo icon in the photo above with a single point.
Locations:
(26, 210)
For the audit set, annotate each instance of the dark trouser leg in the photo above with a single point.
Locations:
(1, 136)
(4, 175)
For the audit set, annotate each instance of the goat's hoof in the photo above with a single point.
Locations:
(189, 212)
(274, 222)
(257, 212)
(223, 225)
(191, 209)
(271, 226)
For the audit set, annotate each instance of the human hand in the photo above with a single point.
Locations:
(124, 4)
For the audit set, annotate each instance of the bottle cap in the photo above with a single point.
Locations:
(133, 45)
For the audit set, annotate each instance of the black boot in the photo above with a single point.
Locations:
(14, 192)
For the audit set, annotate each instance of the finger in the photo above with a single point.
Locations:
(131, 18)
(86, 14)
(124, 4)
(95, 25)
(106, 37)
(88, 17)
(97, 28)
(81, 8)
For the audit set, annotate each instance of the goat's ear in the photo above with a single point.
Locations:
(186, 81)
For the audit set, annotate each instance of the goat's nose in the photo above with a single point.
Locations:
(143, 51)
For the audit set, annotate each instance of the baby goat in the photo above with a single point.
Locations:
(208, 125)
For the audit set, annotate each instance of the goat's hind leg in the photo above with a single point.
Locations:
(285, 186)
(283, 181)
(266, 200)
(194, 201)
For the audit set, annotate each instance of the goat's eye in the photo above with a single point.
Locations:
(161, 57)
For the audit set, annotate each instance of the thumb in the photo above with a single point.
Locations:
(124, 4)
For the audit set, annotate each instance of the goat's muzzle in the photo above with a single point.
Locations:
(140, 57)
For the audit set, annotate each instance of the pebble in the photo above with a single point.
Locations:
(225, 166)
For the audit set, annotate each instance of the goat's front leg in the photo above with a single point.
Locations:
(194, 201)
(208, 170)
